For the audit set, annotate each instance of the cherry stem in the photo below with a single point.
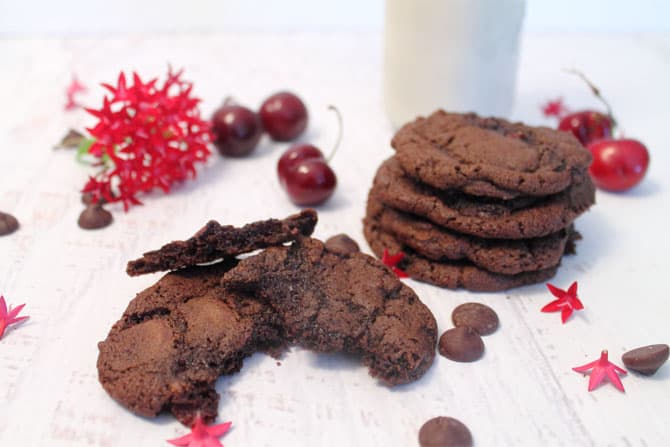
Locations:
(229, 101)
(339, 133)
(596, 92)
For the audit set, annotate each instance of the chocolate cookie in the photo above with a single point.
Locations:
(520, 218)
(490, 156)
(449, 274)
(177, 337)
(436, 243)
(215, 241)
(333, 302)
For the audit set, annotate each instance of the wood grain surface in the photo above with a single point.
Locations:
(522, 392)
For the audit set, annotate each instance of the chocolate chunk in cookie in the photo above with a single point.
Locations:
(333, 302)
(177, 337)
(490, 156)
(520, 218)
(215, 241)
(449, 274)
(436, 243)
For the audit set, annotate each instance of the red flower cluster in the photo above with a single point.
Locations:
(147, 137)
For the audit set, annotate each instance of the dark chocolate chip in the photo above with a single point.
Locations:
(444, 431)
(478, 316)
(647, 359)
(342, 244)
(461, 344)
(8, 224)
(94, 217)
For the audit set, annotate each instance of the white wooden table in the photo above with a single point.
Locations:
(522, 392)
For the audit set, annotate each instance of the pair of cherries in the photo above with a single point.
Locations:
(303, 170)
(237, 129)
(618, 163)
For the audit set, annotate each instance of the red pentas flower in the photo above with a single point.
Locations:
(9, 316)
(147, 136)
(392, 262)
(202, 435)
(601, 369)
(566, 301)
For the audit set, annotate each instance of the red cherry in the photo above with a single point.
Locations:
(618, 165)
(284, 116)
(304, 172)
(587, 125)
(293, 156)
(236, 130)
(310, 182)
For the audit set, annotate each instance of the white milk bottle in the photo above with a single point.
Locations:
(459, 55)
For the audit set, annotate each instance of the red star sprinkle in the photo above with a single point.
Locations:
(202, 435)
(9, 316)
(602, 368)
(554, 108)
(566, 302)
(392, 262)
(74, 88)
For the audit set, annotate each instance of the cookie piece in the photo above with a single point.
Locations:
(449, 274)
(334, 302)
(215, 241)
(505, 256)
(177, 337)
(521, 218)
(490, 156)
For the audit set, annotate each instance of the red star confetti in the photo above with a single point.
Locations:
(73, 89)
(602, 368)
(202, 435)
(9, 316)
(554, 108)
(566, 302)
(392, 261)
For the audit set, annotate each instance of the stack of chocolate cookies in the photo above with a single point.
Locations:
(479, 203)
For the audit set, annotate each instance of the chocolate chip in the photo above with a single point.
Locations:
(342, 244)
(647, 359)
(477, 316)
(94, 217)
(444, 431)
(8, 224)
(461, 344)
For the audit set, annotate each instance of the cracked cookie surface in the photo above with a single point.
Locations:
(490, 156)
(332, 302)
(177, 337)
